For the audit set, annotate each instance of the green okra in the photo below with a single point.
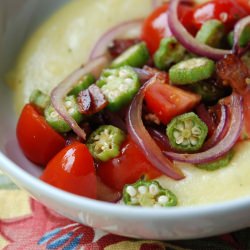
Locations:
(245, 37)
(187, 132)
(135, 56)
(56, 121)
(148, 194)
(84, 83)
(39, 99)
(230, 39)
(211, 33)
(105, 142)
(192, 71)
(217, 164)
(169, 53)
(119, 86)
(209, 92)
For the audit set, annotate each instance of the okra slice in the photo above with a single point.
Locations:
(135, 56)
(192, 71)
(56, 121)
(148, 194)
(39, 99)
(119, 86)
(187, 132)
(169, 53)
(230, 39)
(84, 83)
(220, 163)
(211, 33)
(105, 142)
(245, 37)
(209, 91)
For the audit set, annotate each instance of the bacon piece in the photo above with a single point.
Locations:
(91, 100)
(233, 72)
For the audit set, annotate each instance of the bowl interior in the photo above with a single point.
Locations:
(18, 19)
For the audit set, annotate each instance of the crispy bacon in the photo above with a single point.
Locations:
(231, 71)
(91, 100)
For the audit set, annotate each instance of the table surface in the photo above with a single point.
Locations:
(26, 224)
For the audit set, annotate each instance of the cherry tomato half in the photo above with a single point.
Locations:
(126, 168)
(155, 25)
(38, 141)
(227, 11)
(167, 101)
(72, 170)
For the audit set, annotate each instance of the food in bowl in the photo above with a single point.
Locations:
(158, 118)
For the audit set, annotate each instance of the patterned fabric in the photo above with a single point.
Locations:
(25, 224)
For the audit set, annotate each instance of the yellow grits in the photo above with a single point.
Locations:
(64, 42)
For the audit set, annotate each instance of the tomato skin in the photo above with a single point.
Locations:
(73, 170)
(155, 25)
(38, 141)
(227, 11)
(167, 101)
(245, 4)
(126, 168)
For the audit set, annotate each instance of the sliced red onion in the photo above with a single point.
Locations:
(214, 139)
(106, 39)
(141, 137)
(238, 29)
(222, 147)
(186, 39)
(58, 94)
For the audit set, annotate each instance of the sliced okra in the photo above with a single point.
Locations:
(220, 163)
(192, 71)
(39, 99)
(211, 33)
(169, 53)
(135, 56)
(119, 86)
(245, 37)
(148, 194)
(209, 91)
(230, 39)
(105, 142)
(56, 121)
(187, 132)
(83, 84)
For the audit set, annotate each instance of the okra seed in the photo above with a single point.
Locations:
(196, 131)
(68, 104)
(179, 140)
(123, 74)
(128, 81)
(131, 191)
(180, 126)
(142, 190)
(176, 134)
(153, 189)
(71, 111)
(54, 114)
(134, 200)
(188, 124)
(163, 199)
(185, 142)
(193, 141)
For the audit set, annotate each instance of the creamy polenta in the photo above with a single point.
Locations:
(64, 42)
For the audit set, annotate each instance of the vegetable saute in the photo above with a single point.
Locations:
(177, 91)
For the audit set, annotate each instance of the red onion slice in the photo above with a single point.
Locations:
(219, 130)
(141, 137)
(221, 148)
(106, 39)
(58, 94)
(238, 29)
(186, 39)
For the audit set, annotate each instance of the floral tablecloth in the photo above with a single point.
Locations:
(25, 224)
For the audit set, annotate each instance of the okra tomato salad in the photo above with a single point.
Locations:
(154, 119)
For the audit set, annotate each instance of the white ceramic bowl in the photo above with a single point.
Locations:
(17, 19)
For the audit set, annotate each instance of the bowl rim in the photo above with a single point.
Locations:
(13, 170)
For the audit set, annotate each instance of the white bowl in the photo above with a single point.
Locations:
(17, 19)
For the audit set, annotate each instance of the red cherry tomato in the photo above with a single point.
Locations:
(72, 170)
(245, 4)
(38, 141)
(155, 25)
(167, 101)
(227, 11)
(126, 168)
